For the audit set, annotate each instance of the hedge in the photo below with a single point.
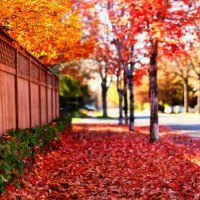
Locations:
(18, 148)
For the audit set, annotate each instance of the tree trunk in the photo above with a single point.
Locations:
(125, 102)
(131, 98)
(153, 93)
(104, 102)
(126, 107)
(186, 95)
(120, 93)
(198, 98)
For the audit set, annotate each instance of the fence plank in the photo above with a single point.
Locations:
(1, 109)
(7, 99)
(54, 103)
(49, 96)
(23, 103)
(10, 113)
(35, 105)
(43, 105)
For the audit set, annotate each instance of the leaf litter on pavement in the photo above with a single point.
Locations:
(97, 162)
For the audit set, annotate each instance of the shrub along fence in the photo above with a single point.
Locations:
(19, 148)
(28, 89)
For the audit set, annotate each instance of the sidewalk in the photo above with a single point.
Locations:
(187, 123)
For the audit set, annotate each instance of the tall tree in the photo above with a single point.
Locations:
(195, 63)
(184, 75)
(125, 101)
(125, 46)
(106, 79)
(121, 89)
(180, 66)
(162, 25)
(195, 60)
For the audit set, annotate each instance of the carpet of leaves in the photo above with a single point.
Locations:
(97, 162)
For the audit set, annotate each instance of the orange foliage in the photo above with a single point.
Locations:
(51, 30)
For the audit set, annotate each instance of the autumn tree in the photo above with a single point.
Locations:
(125, 51)
(105, 60)
(104, 52)
(170, 89)
(179, 68)
(162, 24)
(184, 73)
(125, 47)
(195, 63)
(105, 56)
(126, 101)
(94, 27)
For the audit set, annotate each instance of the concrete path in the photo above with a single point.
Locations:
(186, 123)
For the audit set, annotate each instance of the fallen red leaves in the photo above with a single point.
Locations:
(109, 162)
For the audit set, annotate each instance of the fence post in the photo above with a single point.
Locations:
(30, 107)
(16, 89)
(47, 118)
(57, 97)
(52, 98)
(40, 103)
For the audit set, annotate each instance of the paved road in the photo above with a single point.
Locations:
(187, 123)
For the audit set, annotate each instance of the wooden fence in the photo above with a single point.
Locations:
(28, 89)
